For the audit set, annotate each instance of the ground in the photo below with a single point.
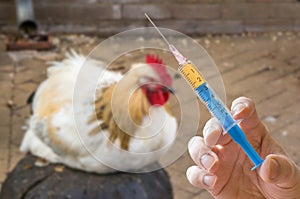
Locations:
(264, 67)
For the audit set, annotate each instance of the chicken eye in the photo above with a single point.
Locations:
(144, 80)
(148, 90)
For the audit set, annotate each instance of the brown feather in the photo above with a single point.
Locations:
(138, 108)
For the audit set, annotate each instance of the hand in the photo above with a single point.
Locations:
(224, 170)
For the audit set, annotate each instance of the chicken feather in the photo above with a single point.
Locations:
(97, 144)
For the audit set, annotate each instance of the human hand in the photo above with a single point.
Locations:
(224, 170)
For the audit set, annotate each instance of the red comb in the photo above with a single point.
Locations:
(158, 66)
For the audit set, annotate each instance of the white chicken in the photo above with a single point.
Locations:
(98, 144)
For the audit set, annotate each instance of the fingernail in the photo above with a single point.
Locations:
(273, 169)
(191, 142)
(238, 108)
(209, 180)
(207, 161)
(189, 173)
(210, 129)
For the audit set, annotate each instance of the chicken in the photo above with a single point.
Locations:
(98, 131)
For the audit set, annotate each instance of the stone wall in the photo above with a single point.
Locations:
(107, 17)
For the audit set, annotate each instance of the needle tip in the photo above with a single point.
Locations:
(148, 17)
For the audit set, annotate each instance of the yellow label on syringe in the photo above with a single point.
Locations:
(192, 75)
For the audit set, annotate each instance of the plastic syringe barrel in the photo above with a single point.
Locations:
(218, 110)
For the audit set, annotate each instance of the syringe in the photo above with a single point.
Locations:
(211, 101)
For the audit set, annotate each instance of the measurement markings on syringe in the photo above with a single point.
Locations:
(192, 75)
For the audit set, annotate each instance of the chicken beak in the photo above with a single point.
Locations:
(171, 90)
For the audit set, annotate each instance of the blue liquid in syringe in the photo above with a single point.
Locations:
(215, 106)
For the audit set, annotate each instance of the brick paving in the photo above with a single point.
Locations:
(264, 67)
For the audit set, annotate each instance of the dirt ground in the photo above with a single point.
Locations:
(264, 67)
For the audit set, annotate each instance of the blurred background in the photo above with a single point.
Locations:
(254, 43)
(106, 17)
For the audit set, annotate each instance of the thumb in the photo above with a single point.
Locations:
(279, 170)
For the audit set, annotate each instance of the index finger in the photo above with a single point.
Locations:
(244, 109)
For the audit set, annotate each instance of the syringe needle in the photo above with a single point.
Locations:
(157, 29)
(179, 57)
